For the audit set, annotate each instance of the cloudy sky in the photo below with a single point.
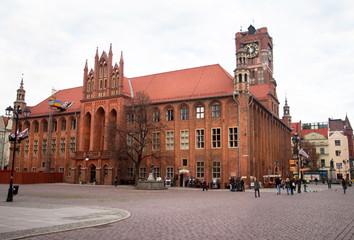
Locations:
(49, 42)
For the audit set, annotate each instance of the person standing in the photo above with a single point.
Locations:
(344, 185)
(278, 183)
(256, 189)
(242, 185)
(293, 186)
(204, 185)
(115, 181)
(287, 185)
(329, 181)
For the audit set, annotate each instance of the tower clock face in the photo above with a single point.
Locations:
(251, 50)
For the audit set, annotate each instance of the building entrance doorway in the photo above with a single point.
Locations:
(93, 174)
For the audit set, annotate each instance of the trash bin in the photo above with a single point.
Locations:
(168, 182)
(15, 189)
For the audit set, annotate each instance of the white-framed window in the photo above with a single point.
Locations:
(26, 147)
(216, 137)
(339, 165)
(44, 146)
(63, 125)
(61, 169)
(216, 170)
(199, 138)
(169, 115)
(35, 147)
(216, 110)
(156, 172)
(156, 141)
(105, 173)
(142, 172)
(36, 127)
(72, 145)
(185, 139)
(322, 151)
(55, 126)
(62, 145)
(73, 124)
(170, 140)
(53, 146)
(200, 112)
(169, 172)
(200, 170)
(184, 113)
(338, 152)
(130, 172)
(337, 142)
(130, 118)
(156, 116)
(233, 137)
(184, 162)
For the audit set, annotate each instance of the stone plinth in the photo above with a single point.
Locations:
(147, 185)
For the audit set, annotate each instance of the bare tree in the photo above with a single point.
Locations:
(138, 134)
(312, 161)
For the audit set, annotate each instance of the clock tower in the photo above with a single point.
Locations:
(258, 45)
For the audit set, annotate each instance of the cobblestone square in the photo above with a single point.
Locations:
(189, 213)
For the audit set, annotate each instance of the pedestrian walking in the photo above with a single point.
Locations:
(344, 185)
(204, 185)
(293, 186)
(287, 185)
(329, 182)
(278, 183)
(256, 189)
(316, 181)
(115, 181)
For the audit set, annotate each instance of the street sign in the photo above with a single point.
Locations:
(292, 162)
(293, 169)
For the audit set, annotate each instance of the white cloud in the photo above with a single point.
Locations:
(49, 41)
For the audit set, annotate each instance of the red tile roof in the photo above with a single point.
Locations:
(70, 95)
(303, 132)
(192, 83)
(206, 81)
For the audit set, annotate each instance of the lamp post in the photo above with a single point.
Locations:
(296, 141)
(12, 138)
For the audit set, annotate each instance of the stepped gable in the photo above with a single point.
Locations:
(70, 95)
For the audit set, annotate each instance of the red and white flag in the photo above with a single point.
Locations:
(303, 153)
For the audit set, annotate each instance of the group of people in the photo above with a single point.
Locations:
(237, 184)
(289, 184)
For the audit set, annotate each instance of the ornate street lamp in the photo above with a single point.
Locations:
(10, 112)
(296, 141)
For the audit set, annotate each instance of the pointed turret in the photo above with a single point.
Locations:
(121, 72)
(286, 113)
(20, 98)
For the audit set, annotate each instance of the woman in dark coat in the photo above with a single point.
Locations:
(204, 185)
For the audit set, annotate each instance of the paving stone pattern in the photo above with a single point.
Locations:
(184, 213)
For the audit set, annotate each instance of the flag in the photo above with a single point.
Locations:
(303, 153)
(21, 133)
